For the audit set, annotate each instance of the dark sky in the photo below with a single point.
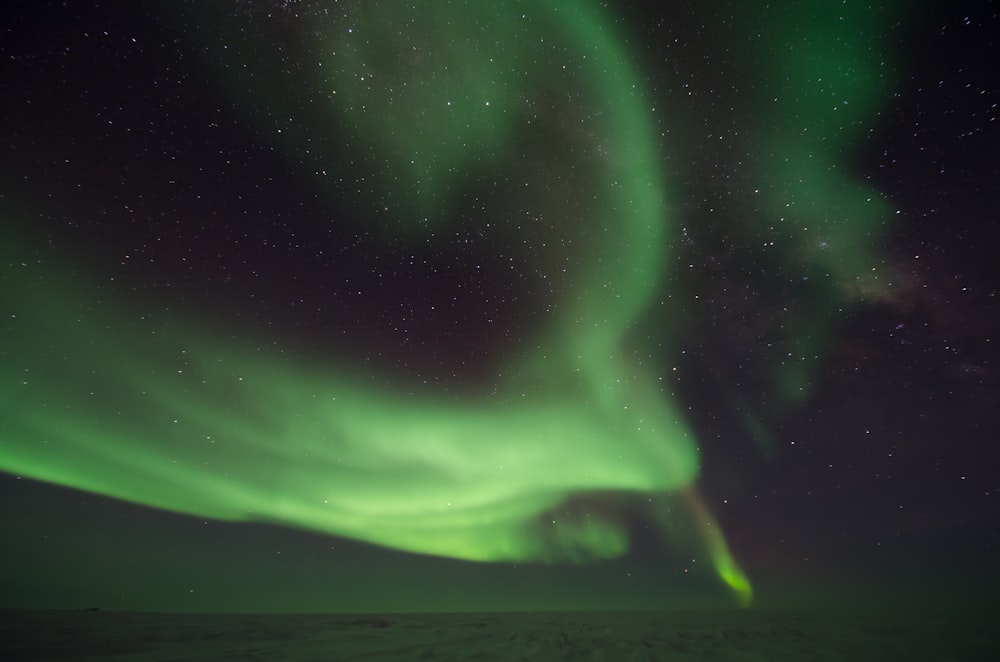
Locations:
(187, 192)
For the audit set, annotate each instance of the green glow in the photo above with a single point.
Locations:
(821, 75)
(170, 413)
(725, 563)
(447, 103)
(167, 414)
(156, 413)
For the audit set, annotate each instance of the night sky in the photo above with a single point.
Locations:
(384, 306)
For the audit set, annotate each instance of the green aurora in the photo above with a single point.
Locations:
(160, 409)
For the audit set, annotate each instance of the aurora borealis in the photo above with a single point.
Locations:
(432, 276)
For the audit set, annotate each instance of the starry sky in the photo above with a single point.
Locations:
(381, 306)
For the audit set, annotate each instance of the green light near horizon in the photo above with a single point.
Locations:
(168, 413)
(725, 564)
(160, 414)
(165, 413)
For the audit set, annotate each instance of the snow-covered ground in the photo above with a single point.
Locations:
(751, 634)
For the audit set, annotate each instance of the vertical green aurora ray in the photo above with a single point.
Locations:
(718, 550)
(164, 413)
